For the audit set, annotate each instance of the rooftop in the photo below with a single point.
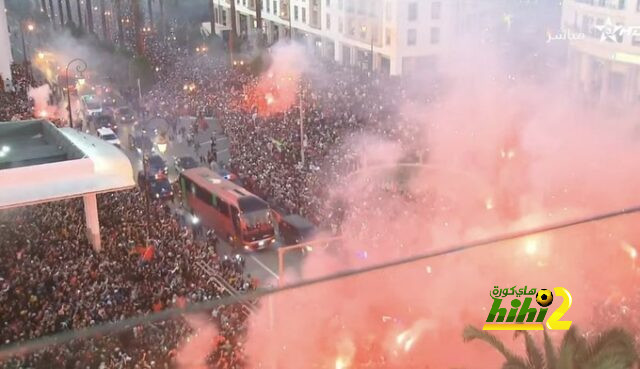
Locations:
(40, 163)
(34, 142)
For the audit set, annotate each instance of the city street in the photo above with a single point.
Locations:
(263, 264)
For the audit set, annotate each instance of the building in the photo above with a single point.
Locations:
(604, 48)
(41, 163)
(5, 45)
(392, 36)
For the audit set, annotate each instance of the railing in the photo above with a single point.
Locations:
(247, 307)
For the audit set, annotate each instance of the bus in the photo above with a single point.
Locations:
(230, 210)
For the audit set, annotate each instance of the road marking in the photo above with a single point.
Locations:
(264, 266)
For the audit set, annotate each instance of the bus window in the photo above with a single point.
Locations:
(223, 208)
(202, 195)
(214, 201)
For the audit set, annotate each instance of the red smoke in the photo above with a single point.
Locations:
(277, 89)
(502, 157)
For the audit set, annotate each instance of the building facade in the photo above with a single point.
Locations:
(604, 48)
(5, 45)
(390, 36)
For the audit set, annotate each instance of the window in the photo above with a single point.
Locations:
(340, 4)
(435, 35)
(340, 25)
(328, 22)
(275, 7)
(387, 11)
(587, 26)
(635, 40)
(387, 36)
(328, 3)
(413, 11)
(224, 17)
(436, 7)
(295, 12)
(638, 6)
(223, 207)
(203, 195)
(411, 37)
(304, 14)
(268, 4)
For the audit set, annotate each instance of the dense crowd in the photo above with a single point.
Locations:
(338, 106)
(14, 101)
(51, 280)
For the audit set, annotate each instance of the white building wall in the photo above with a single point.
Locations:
(5, 45)
(388, 19)
(604, 70)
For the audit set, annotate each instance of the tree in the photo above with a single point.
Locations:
(67, 4)
(103, 21)
(89, 16)
(119, 21)
(612, 349)
(61, 13)
(79, 11)
(137, 23)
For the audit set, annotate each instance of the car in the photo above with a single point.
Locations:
(160, 188)
(109, 136)
(105, 121)
(124, 115)
(185, 162)
(295, 229)
(158, 185)
(92, 105)
(141, 144)
(156, 165)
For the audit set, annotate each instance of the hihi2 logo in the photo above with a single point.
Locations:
(521, 310)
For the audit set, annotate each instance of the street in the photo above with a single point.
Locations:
(263, 264)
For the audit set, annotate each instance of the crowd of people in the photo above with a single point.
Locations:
(51, 280)
(339, 105)
(14, 101)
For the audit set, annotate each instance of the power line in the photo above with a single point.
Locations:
(22, 348)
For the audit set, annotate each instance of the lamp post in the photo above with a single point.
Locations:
(145, 171)
(81, 67)
(29, 27)
(364, 30)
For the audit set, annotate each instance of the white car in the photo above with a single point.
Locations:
(92, 105)
(108, 135)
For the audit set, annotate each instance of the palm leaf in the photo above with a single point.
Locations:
(534, 355)
(515, 365)
(550, 352)
(471, 333)
(613, 349)
(576, 342)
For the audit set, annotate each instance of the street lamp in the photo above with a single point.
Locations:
(30, 27)
(81, 67)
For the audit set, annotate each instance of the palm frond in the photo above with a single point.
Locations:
(471, 333)
(550, 353)
(612, 349)
(534, 355)
(510, 364)
(578, 344)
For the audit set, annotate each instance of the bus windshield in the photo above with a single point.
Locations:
(250, 204)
